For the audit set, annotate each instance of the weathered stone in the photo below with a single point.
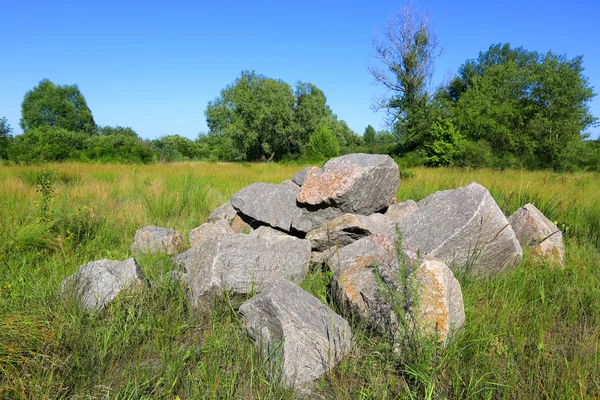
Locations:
(225, 211)
(238, 225)
(311, 217)
(538, 233)
(155, 239)
(269, 203)
(367, 285)
(242, 263)
(400, 210)
(299, 178)
(97, 283)
(465, 228)
(301, 338)
(355, 183)
(210, 230)
(290, 184)
(344, 230)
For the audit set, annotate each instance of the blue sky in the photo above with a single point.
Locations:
(154, 66)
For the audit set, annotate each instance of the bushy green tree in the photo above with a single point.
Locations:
(48, 143)
(310, 111)
(56, 106)
(322, 144)
(370, 135)
(443, 143)
(5, 138)
(530, 108)
(117, 144)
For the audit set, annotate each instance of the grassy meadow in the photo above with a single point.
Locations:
(532, 332)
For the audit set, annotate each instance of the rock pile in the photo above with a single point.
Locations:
(343, 216)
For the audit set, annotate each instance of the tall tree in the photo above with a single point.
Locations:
(370, 135)
(407, 50)
(256, 113)
(529, 106)
(310, 110)
(5, 137)
(57, 106)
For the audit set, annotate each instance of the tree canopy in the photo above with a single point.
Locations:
(57, 106)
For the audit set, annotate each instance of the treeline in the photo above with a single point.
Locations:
(507, 108)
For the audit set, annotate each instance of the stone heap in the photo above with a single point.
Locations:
(344, 217)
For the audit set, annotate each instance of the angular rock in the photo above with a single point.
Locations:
(301, 338)
(538, 233)
(299, 178)
(354, 183)
(238, 225)
(465, 228)
(210, 230)
(225, 211)
(269, 203)
(290, 184)
(242, 264)
(344, 230)
(311, 217)
(367, 285)
(400, 210)
(155, 239)
(96, 283)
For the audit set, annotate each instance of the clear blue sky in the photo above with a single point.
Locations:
(154, 66)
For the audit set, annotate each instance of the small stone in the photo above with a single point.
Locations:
(155, 239)
(225, 211)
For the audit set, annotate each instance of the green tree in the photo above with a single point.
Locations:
(56, 106)
(5, 137)
(407, 49)
(530, 108)
(310, 111)
(322, 144)
(443, 143)
(48, 143)
(117, 130)
(370, 135)
(257, 114)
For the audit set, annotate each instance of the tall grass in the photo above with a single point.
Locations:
(531, 333)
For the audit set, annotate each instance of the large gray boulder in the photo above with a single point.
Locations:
(465, 228)
(155, 239)
(269, 203)
(354, 183)
(224, 211)
(210, 230)
(538, 233)
(301, 338)
(242, 264)
(299, 178)
(367, 285)
(344, 230)
(97, 283)
(276, 206)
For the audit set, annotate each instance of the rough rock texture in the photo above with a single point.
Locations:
(361, 293)
(210, 230)
(269, 203)
(299, 178)
(225, 211)
(96, 283)
(344, 230)
(242, 263)
(538, 233)
(355, 183)
(465, 228)
(155, 239)
(400, 210)
(300, 337)
(311, 217)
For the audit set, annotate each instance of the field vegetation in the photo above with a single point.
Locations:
(532, 332)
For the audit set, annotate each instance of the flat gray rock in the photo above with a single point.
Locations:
(300, 337)
(299, 178)
(155, 239)
(354, 183)
(210, 230)
(366, 284)
(465, 228)
(290, 184)
(97, 283)
(242, 264)
(537, 233)
(225, 211)
(269, 203)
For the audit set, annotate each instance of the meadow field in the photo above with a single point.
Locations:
(532, 332)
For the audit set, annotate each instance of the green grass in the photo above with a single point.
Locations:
(532, 332)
